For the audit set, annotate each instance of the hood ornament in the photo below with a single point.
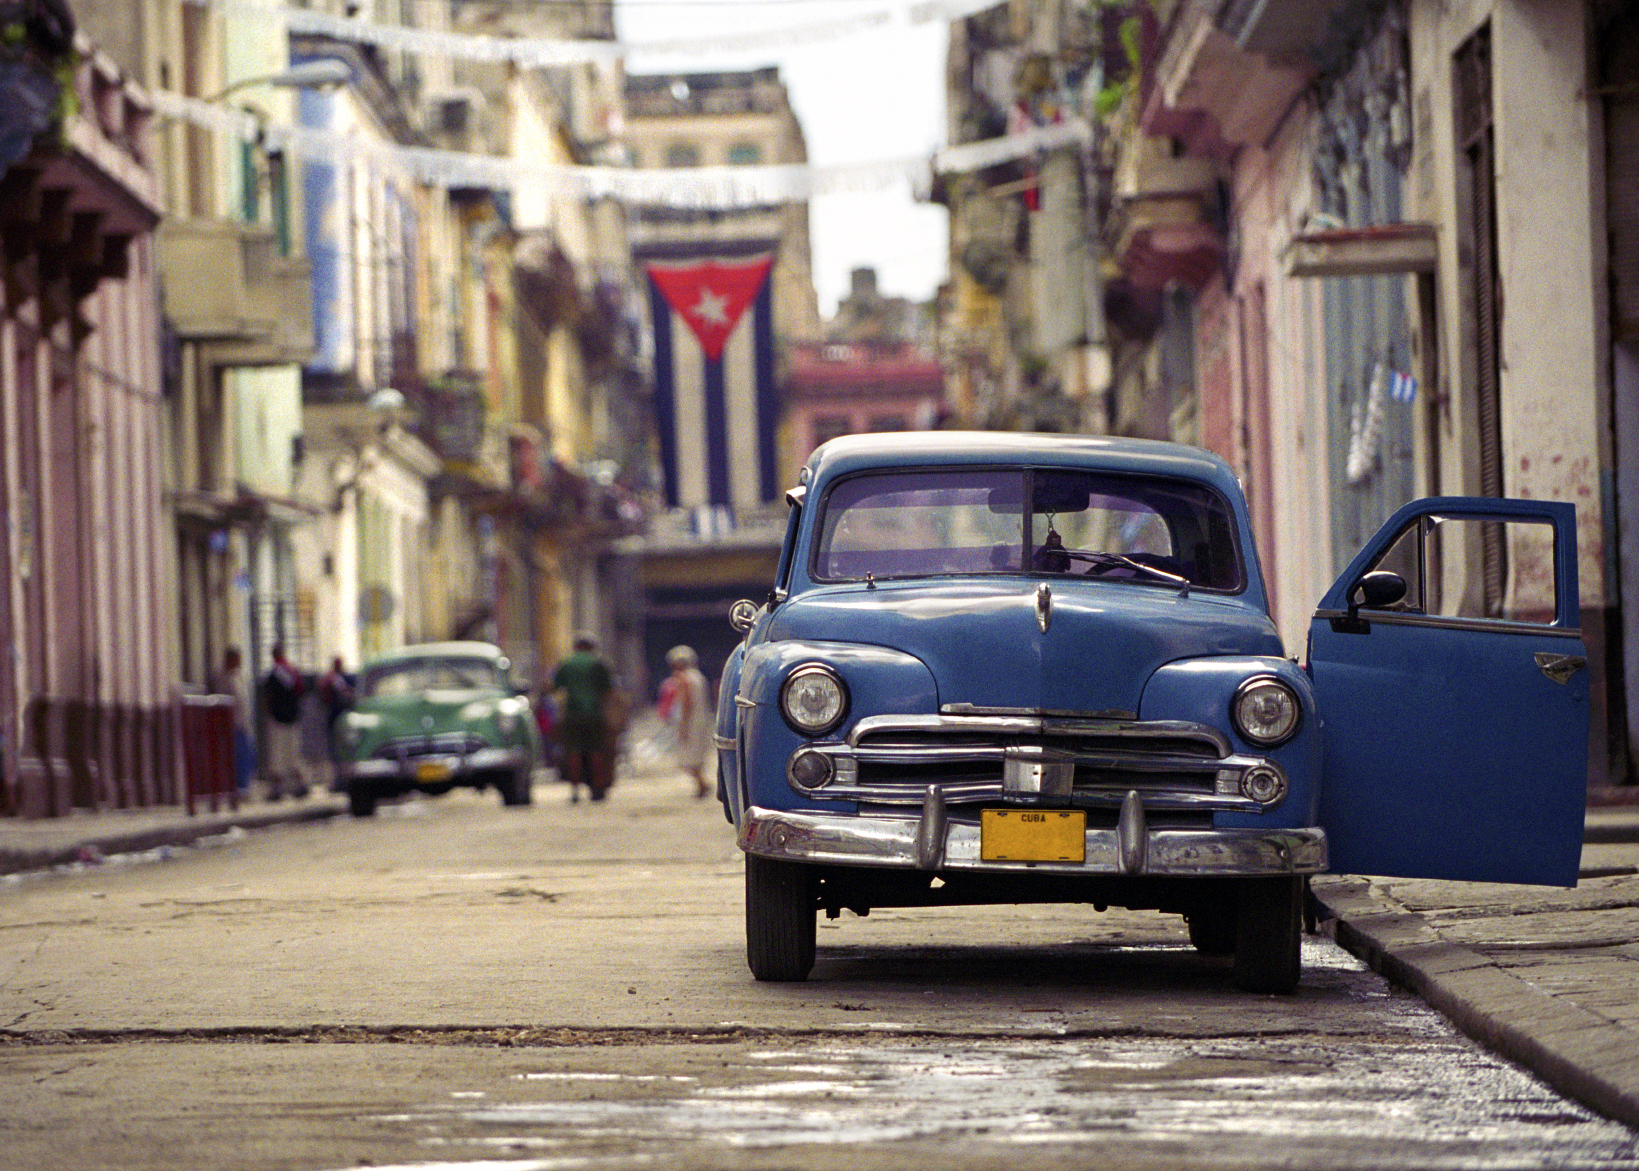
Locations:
(1044, 607)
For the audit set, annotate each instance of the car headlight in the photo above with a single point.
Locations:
(1266, 711)
(351, 727)
(813, 699)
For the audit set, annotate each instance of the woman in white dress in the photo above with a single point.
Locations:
(685, 704)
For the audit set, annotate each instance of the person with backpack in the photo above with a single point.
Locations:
(282, 690)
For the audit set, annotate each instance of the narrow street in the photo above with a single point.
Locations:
(454, 983)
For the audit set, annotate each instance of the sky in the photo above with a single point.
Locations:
(876, 94)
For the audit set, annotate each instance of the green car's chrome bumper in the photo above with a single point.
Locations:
(435, 768)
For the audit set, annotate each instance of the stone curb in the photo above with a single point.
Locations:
(1577, 1052)
(181, 833)
(1610, 833)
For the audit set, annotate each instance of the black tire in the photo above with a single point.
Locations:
(1268, 931)
(516, 787)
(361, 801)
(780, 916)
(1212, 930)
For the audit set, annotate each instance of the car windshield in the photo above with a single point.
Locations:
(412, 676)
(1149, 529)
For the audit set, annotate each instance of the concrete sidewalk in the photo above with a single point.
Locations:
(43, 843)
(1546, 977)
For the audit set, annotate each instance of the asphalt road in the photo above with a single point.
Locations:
(560, 986)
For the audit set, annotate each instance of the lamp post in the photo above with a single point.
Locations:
(320, 71)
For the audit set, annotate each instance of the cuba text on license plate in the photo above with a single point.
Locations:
(1033, 835)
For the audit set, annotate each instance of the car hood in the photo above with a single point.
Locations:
(985, 647)
(445, 708)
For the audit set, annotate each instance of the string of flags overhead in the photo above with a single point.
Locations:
(544, 51)
(718, 188)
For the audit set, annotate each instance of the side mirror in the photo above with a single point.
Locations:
(743, 615)
(1377, 589)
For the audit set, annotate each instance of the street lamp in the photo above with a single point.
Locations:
(320, 71)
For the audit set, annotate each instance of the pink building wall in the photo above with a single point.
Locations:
(86, 681)
(840, 388)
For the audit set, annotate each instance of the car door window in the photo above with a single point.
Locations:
(1473, 568)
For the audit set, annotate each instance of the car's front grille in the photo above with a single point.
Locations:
(1170, 764)
(447, 744)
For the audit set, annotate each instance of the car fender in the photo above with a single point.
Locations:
(878, 679)
(732, 791)
(1201, 691)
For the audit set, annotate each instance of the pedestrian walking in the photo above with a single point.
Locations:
(685, 704)
(584, 740)
(337, 689)
(282, 690)
(229, 680)
(545, 708)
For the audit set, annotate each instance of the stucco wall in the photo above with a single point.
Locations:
(1548, 255)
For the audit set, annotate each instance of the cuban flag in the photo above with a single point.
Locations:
(1402, 387)
(715, 402)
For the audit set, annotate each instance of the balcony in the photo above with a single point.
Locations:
(226, 284)
(1165, 219)
(1225, 84)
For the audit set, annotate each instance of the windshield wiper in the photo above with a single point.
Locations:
(1120, 561)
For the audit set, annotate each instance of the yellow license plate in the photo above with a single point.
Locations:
(432, 770)
(1033, 835)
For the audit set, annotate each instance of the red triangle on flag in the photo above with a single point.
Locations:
(711, 295)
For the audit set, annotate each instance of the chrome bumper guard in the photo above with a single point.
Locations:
(933, 842)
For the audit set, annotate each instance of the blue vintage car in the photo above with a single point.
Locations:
(1002, 668)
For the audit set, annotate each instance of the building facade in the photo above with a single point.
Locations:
(86, 693)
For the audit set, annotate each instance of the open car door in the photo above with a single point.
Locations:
(1453, 688)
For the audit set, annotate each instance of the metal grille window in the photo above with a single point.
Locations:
(287, 618)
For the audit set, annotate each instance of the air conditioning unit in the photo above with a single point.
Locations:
(455, 116)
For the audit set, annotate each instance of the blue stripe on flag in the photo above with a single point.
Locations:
(665, 390)
(767, 404)
(717, 486)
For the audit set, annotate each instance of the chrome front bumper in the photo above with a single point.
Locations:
(933, 842)
(460, 767)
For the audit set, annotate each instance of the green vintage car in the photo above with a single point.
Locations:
(432, 717)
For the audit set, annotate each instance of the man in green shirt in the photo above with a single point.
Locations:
(583, 731)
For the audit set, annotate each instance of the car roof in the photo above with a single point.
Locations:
(438, 650)
(853, 453)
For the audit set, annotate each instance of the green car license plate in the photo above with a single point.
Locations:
(1033, 835)
(432, 770)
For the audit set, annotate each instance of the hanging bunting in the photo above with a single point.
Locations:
(541, 52)
(683, 187)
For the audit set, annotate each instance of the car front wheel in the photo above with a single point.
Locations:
(780, 925)
(515, 787)
(361, 801)
(1212, 930)
(1268, 931)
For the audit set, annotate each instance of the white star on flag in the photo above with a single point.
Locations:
(712, 307)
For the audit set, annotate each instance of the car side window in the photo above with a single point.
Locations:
(1475, 568)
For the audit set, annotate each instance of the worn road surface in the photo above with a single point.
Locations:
(454, 984)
